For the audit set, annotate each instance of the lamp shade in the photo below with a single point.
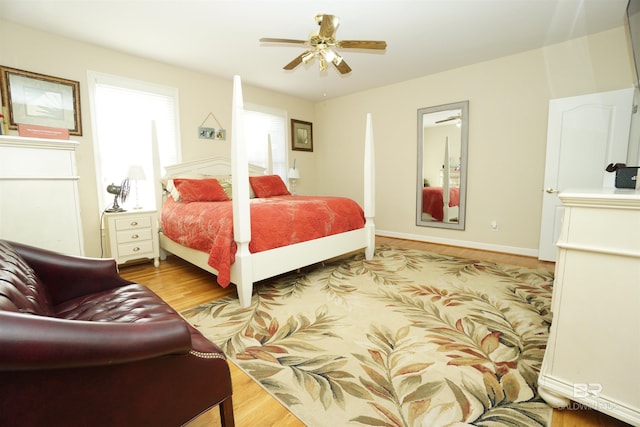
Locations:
(136, 173)
(294, 173)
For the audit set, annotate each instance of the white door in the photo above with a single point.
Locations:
(585, 133)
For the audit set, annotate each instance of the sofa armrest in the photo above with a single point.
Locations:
(67, 276)
(30, 342)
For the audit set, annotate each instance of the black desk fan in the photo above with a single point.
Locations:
(120, 192)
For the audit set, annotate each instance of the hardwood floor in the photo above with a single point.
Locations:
(184, 286)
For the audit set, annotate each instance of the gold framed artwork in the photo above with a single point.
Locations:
(301, 135)
(38, 99)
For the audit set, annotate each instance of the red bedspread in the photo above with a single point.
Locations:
(275, 222)
(432, 201)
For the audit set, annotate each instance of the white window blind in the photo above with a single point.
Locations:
(123, 112)
(261, 124)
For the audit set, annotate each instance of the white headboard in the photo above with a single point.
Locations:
(217, 165)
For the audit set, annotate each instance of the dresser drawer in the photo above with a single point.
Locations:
(134, 235)
(607, 229)
(142, 249)
(132, 223)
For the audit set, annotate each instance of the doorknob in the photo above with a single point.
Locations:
(551, 190)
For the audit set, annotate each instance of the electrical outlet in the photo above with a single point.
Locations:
(494, 225)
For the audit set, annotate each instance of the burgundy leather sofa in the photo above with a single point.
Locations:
(81, 346)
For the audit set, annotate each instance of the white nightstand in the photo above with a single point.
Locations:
(132, 235)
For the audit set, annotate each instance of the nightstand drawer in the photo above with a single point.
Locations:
(137, 248)
(127, 236)
(131, 223)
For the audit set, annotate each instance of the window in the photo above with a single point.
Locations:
(262, 124)
(123, 110)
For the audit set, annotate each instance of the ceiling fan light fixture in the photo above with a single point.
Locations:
(308, 57)
(328, 54)
(323, 64)
(337, 59)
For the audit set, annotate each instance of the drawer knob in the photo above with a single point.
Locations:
(134, 223)
(136, 249)
(135, 236)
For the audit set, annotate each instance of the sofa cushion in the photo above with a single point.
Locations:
(127, 304)
(131, 304)
(20, 288)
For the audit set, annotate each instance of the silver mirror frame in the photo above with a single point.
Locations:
(464, 141)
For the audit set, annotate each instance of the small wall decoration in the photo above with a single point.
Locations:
(301, 135)
(211, 133)
(37, 99)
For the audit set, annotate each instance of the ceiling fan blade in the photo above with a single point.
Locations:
(297, 60)
(362, 44)
(328, 26)
(341, 65)
(448, 119)
(272, 40)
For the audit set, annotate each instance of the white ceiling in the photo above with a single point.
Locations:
(220, 37)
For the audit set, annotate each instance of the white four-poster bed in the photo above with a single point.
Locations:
(252, 267)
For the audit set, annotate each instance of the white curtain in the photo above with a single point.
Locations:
(260, 125)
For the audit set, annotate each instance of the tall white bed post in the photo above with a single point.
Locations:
(446, 183)
(269, 157)
(240, 197)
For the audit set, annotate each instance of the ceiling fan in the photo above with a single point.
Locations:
(448, 119)
(322, 44)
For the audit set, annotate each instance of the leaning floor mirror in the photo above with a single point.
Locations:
(442, 165)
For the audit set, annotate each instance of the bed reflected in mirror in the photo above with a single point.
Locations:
(442, 165)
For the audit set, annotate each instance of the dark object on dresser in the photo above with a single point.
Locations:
(81, 346)
(627, 177)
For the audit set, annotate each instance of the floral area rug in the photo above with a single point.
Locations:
(409, 338)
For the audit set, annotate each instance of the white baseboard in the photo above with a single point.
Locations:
(462, 243)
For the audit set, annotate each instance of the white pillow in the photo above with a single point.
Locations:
(225, 182)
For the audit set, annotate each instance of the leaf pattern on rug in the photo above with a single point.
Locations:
(393, 377)
(408, 338)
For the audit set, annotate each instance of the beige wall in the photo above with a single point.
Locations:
(199, 94)
(508, 105)
(507, 130)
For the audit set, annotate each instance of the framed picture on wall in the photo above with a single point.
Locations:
(37, 99)
(301, 135)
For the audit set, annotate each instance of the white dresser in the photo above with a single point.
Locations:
(593, 353)
(132, 235)
(39, 203)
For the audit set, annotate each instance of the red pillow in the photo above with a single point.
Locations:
(200, 190)
(268, 186)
